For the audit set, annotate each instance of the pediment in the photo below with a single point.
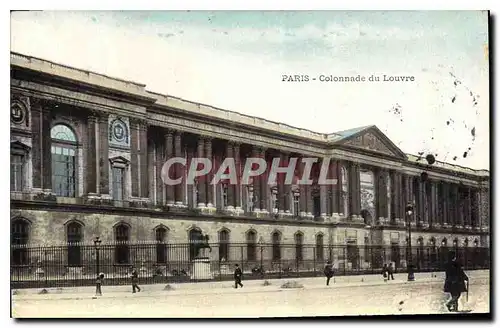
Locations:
(119, 160)
(372, 139)
(19, 146)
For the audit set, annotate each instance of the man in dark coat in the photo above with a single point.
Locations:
(390, 272)
(135, 281)
(328, 272)
(237, 276)
(454, 283)
(98, 284)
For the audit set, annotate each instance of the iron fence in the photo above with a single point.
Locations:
(79, 264)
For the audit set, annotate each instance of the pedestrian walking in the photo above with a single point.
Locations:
(390, 272)
(328, 272)
(238, 274)
(135, 281)
(454, 282)
(98, 284)
(385, 271)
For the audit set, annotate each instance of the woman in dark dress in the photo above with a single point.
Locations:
(454, 283)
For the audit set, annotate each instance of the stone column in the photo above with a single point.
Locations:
(159, 165)
(475, 208)
(287, 187)
(468, 208)
(256, 183)
(309, 201)
(446, 202)
(36, 140)
(210, 187)
(434, 204)
(169, 153)
(264, 188)
(230, 188)
(180, 189)
(334, 189)
(394, 213)
(382, 194)
(340, 187)
(323, 200)
(402, 197)
(453, 206)
(202, 181)
(237, 187)
(352, 190)
(281, 187)
(134, 160)
(104, 155)
(91, 152)
(47, 152)
(302, 191)
(143, 159)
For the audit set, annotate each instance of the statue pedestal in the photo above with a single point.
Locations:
(201, 269)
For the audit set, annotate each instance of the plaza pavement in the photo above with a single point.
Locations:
(250, 286)
(372, 297)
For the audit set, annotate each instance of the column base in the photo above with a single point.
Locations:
(207, 210)
(45, 195)
(258, 213)
(139, 202)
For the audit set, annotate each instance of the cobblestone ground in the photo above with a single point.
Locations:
(407, 298)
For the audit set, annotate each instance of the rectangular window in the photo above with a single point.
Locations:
(250, 199)
(224, 195)
(16, 172)
(118, 183)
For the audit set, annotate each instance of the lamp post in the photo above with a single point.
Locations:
(261, 245)
(409, 212)
(97, 243)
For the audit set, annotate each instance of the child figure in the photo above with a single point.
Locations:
(135, 281)
(237, 276)
(98, 284)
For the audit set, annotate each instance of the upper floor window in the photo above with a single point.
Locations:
(118, 177)
(64, 163)
(16, 172)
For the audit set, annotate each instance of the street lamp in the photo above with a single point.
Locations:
(97, 243)
(409, 212)
(261, 245)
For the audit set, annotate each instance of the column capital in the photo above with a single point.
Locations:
(169, 132)
(234, 143)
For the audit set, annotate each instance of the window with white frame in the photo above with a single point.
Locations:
(64, 160)
(118, 178)
(17, 169)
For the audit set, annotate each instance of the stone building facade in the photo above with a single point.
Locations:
(87, 152)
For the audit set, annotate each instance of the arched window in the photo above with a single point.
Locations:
(251, 245)
(122, 251)
(19, 235)
(64, 163)
(223, 245)
(195, 238)
(276, 240)
(161, 247)
(345, 190)
(319, 247)
(299, 251)
(74, 236)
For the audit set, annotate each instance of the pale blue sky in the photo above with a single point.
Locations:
(235, 60)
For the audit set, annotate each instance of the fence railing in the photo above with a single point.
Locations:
(79, 264)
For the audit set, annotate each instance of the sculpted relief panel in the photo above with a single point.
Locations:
(371, 142)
